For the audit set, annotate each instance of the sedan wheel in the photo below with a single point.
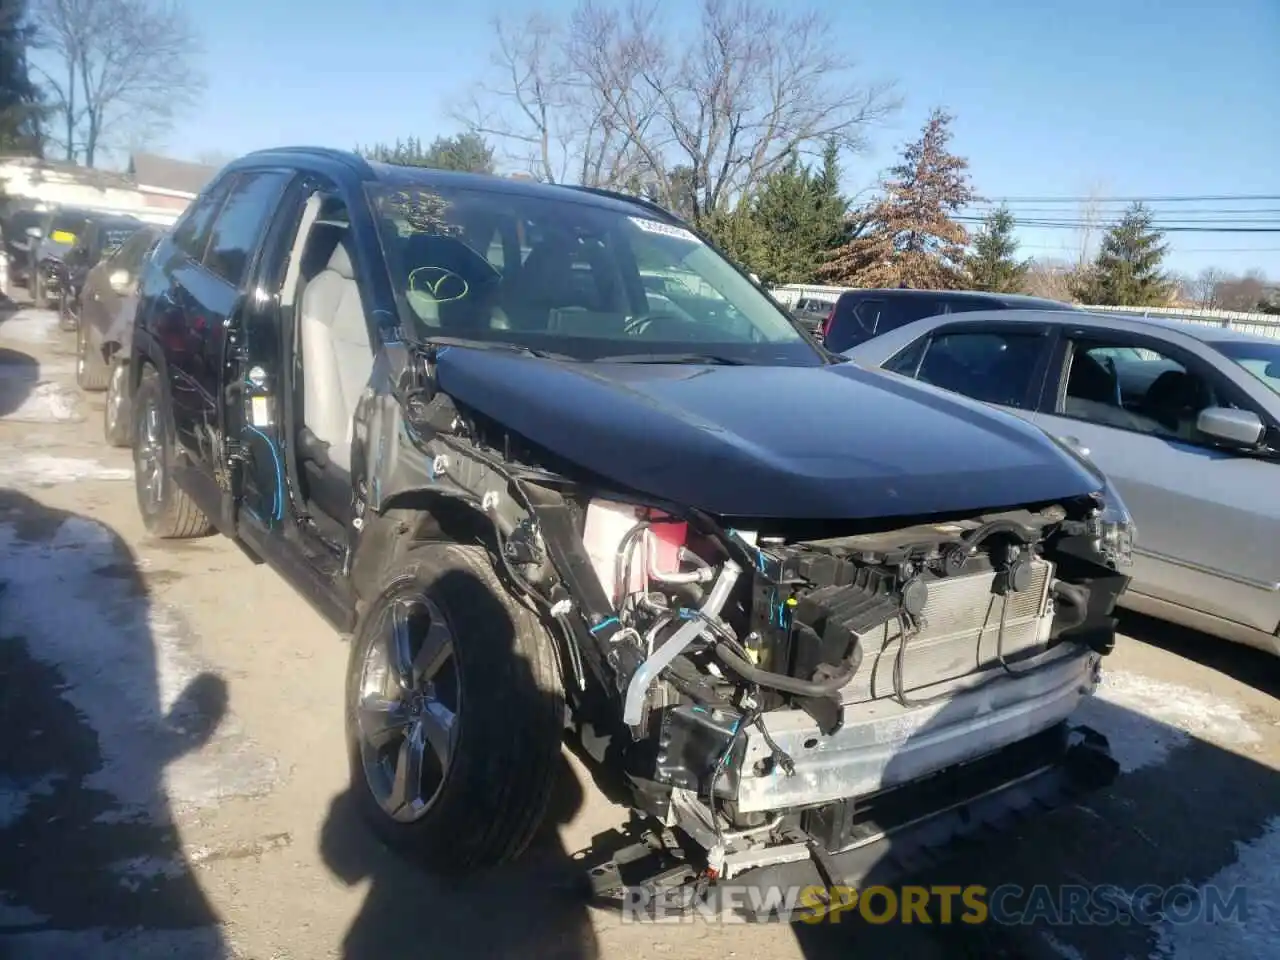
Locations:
(407, 714)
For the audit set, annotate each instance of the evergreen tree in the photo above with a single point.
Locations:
(993, 264)
(909, 237)
(799, 216)
(21, 110)
(1127, 270)
(466, 151)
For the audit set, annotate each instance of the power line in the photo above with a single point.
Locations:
(1207, 198)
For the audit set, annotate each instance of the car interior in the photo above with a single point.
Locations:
(1148, 394)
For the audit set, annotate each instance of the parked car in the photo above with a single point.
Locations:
(443, 408)
(1183, 417)
(51, 238)
(14, 227)
(812, 312)
(104, 332)
(860, 315)
(99, 236)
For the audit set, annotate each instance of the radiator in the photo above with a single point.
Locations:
(957, 634)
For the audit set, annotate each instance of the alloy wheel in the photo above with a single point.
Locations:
(408, 706)
(115, 396)
(149, 457)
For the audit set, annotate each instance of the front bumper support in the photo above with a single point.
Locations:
(971, 805)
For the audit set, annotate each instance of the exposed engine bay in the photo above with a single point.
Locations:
(766, 692)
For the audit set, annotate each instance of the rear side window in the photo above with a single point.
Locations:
(855, 321)
(191, 233)
(241, 222)
(988, 366)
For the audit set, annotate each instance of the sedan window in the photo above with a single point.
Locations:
(1137, 389)
(1260, 359)
(988, 366)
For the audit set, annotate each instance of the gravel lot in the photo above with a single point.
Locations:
(172, 782)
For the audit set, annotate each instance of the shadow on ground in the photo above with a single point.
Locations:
(93, 863)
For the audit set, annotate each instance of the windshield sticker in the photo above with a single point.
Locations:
(664, 229)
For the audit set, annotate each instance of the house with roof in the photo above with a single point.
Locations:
(166, 184)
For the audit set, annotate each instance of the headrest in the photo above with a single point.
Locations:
(340, 261)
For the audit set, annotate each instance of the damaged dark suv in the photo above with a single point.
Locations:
(547, 495)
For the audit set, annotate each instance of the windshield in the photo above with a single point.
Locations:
(1260, 359)
(579, 279)
(115, 232)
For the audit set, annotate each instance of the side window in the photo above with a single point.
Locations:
(1135, 388)
(129, 254)
(241, 222)
(191, 232)
(907, 361)
(988, 366)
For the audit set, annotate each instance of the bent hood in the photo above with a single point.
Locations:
(817, 443)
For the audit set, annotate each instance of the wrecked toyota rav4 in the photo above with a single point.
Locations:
(557, 466)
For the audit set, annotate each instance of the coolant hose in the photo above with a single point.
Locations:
(638, 688)
(778, 681)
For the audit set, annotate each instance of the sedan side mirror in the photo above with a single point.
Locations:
(119, 282)
(1241, 428)
(1272, 370)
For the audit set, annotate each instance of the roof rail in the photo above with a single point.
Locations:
(629, 198)
(345, 157)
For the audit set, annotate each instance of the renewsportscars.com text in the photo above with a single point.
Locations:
(1009, 904)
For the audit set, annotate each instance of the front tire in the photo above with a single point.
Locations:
(92, 373)
(167, 511)
(454, 713)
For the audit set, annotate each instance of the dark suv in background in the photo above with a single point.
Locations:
(860, 315)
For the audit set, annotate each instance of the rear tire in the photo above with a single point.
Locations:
(92, 373)
(116, 421)
(478, 800)
(167, 511)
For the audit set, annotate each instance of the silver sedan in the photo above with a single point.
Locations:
(1183, 418)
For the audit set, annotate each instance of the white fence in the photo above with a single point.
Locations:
(1261, 324)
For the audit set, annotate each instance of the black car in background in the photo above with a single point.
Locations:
(14, 224)
(100, 236)
(58, 231)
(104, 334)
(859, 315)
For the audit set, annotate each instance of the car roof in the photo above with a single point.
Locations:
(351, 166)
(1131, 322)
(1013, 299)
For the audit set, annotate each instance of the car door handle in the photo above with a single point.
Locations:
(1074, 443)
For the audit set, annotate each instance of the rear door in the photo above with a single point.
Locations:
(1208, 519)
(213, 292)
(1004, 364)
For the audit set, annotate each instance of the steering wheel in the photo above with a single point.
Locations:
(638, 326)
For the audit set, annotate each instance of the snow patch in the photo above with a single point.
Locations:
(44, 471)
(131, 671)
(30, 326)
(48, 402)
(1060, 947)
(1257, 936)
(1156, 718)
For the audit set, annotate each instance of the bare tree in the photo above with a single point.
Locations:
(1051, 279)
(1205, 289)
(611, 98)
(1241, 293)
(125, 69)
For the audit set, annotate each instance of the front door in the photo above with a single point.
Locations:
(1207, 520)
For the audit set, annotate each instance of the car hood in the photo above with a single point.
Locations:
(777, 442)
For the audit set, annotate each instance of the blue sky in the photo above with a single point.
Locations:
(1110, 97)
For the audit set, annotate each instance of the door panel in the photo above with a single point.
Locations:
(1208, 521)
